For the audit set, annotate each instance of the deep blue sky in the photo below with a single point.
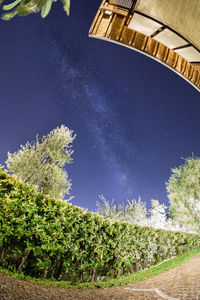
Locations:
(134, 118)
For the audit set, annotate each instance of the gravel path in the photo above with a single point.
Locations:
(181, 283)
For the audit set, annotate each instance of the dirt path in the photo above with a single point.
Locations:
(181, 283)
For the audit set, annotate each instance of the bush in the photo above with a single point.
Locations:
(46, 237)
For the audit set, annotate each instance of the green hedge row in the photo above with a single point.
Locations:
(50, 238)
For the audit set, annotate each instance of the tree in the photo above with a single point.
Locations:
(158, 218)
(26, 7)
(133, 212)
(136, 212)
(41, 163)
(108, 210)
(183, 190)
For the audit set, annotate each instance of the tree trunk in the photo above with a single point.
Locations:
(113, 273)
(45, 273)
(136, 266)
(93, 276)
(3, 253)
(120, 272)
(24, 258)
(131, 270)
(59, 269)
(52, 274)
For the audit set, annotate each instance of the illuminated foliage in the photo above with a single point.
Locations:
(26, 7)
(184, 194)
(44, 237)
(41, 163)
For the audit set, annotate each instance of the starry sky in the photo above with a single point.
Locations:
(134, 118)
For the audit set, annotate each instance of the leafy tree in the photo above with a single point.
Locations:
(136, 212)
(158, 218)
(26, 7)
(183, 190)
(107, 209)
(41, 163)
(133, 212)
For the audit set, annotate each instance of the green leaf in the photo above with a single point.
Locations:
(32, 6)
(66, 4)
(11, 5)
(46, 8)
(8, 16)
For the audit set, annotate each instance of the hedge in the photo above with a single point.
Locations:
(44, 237)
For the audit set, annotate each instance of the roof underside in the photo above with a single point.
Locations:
(183, 16)
(166, 30)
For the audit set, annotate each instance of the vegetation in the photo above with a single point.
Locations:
(126, 279)
(135, 212)
(41, 163)
(44, 237)
(183, 190)
(184, 194)
(26, 7)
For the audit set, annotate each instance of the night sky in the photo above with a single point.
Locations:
(134, 118)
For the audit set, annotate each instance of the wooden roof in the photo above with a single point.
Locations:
(166, 30)
(183, 16)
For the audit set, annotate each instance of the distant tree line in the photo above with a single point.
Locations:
(41, 165)
(183, 214)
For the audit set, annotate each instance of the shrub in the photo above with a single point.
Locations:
(45, 237)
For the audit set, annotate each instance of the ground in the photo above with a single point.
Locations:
(182, 282)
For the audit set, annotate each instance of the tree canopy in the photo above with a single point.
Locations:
(41, 162)
(136, 212)
(184, 193)
(26, 7)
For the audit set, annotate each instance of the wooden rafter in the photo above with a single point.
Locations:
(111, 23)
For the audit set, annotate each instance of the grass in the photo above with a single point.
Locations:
(123, 280)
